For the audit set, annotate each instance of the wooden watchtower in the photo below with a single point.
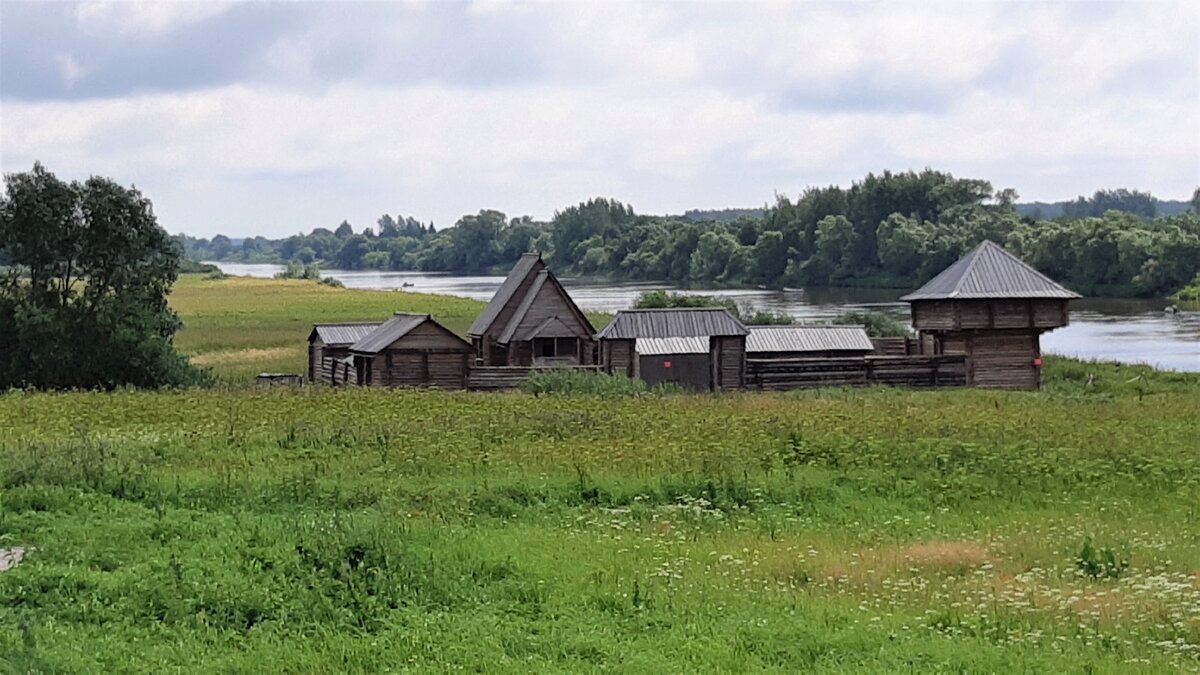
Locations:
(993, 307)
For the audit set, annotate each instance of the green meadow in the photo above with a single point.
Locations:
(253, 529)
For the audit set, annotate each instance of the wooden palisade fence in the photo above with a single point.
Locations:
(947, 370)
(495, 378)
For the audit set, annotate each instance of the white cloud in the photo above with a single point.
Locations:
(667, 107)
(152, 17)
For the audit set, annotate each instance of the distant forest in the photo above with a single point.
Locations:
(886, 230)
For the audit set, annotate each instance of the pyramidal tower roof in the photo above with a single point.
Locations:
(990, 272)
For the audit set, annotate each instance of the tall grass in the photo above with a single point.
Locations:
(322, 529)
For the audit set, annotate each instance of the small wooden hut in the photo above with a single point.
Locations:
(532, 321)
(411, 350)
(683, 361)
(329, 343)
(702, 348)
(992, 307)
(807, 342)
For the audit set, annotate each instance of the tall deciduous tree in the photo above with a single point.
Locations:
(85, 302)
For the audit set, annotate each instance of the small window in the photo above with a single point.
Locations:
(544, 347)
(566, 347)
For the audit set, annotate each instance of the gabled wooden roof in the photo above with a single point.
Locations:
(990, 272)
(674, 322)
(342, 334)
(528, 263)
(393, 329)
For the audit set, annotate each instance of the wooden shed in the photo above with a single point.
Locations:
(807, 342)
(635, 335)
(532, 321)
(411, 350)
(329, 343)
(992, 307)
(683, 361)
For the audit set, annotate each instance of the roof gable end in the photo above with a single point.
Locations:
(545, 281)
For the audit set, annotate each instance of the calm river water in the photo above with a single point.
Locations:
(1131, 331)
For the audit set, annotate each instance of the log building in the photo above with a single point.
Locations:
(329, 345)
(532, 321)
(992, 307)
(411, 350)
(702, 348)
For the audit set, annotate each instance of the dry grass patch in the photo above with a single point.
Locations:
(951, 557)
(242, 356)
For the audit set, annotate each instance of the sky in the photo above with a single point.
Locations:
(274, 118)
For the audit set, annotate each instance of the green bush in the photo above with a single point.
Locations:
(672, 300)
(746, 313)
(760, 317)
(298, 270)
(1191, 292)
(1100, 563)
(187, 266)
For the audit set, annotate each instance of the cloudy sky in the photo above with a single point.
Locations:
(257, 118)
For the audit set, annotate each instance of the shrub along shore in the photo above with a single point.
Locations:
(352, 529)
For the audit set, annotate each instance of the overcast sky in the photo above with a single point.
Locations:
(270, 119)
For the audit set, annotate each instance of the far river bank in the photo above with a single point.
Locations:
(1125, 330)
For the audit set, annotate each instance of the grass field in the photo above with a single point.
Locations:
(239, 327)
(244, 529)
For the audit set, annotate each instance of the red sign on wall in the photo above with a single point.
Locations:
(1037, 362)
(666, 364)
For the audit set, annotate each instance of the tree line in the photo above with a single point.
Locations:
(886, 230)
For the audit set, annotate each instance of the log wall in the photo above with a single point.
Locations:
(618, 357)
(909, 371)
(1004, 360)
(442, 369)
(496, 378)
(947, 315)
(728, 361)
(322, 362)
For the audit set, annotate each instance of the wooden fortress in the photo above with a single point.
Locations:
(980, 323)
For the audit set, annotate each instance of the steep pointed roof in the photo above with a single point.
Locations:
(505, 293)
(543, 278)
(990, 272)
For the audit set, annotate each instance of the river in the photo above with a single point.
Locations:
(1130, 331)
